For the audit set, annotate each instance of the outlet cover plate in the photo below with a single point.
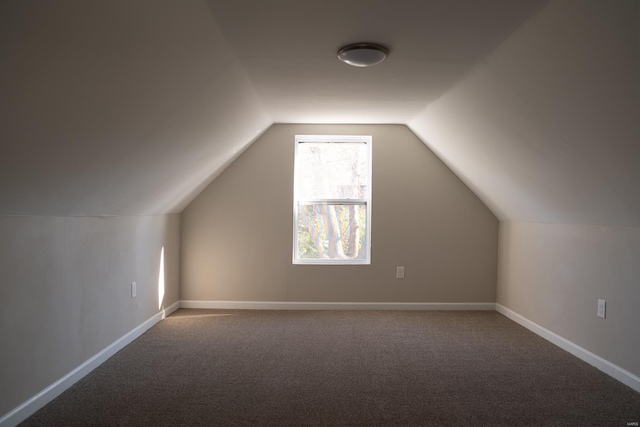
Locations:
(602, 308)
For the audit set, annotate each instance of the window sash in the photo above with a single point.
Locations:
(333, 202)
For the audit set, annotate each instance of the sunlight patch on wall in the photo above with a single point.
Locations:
(161, 280)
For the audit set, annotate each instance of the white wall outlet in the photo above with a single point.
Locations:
(399, 272)
(133, 289)
(602, 308)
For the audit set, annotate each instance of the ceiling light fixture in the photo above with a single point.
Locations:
(363, 54)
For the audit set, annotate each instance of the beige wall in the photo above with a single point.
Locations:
(237, 234)
(65, 291)
(554, 274)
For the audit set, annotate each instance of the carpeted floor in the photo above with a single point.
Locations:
(335, 368)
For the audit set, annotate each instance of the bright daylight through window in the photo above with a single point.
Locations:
(332, 200)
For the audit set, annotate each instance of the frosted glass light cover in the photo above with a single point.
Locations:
(363, 54)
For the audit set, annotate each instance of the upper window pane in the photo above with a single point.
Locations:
(331, 170)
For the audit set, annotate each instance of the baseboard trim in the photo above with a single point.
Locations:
(598, 362)
(287, 305)
(29, 407)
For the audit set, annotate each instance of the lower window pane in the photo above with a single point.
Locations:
(332, 231)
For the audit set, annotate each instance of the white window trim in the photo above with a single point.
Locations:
(367, 140)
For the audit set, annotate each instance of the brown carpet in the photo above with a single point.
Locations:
(335, 368)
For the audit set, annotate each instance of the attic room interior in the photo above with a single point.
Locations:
(148, 152)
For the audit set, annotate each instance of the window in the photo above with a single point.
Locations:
(332, 200)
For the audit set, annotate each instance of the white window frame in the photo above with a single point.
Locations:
(367, 140)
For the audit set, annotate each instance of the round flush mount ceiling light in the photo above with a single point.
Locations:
(363, 54)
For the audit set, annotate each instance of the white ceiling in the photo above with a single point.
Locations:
(126, 107)
(547, 128)
(288, 49)
(117, 107)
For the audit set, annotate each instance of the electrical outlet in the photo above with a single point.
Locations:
(399, 272)
(602, 308)
(133, 289)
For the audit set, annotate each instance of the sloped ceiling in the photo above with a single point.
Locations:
(126, 107)
(547, 128)
(117, 107)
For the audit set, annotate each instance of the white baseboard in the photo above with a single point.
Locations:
(29, 407)
(286, 305)
(598, 362)
(167, 311)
